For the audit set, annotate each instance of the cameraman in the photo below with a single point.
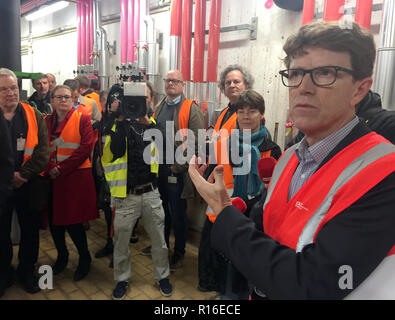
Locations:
(133, 186)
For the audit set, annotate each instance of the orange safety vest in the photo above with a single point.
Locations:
(220, 141)
(68, 141)
(347, 177)
(183, 119)
(32, 131)
(96, 97)
(87, 107)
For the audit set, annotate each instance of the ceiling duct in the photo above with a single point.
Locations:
(293, 5)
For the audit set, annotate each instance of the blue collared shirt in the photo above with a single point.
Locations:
(173, 102)
(311, 157)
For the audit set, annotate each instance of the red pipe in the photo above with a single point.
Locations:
(199, 43)
(87, 26)
(136, 29)
(124, 31)
(213, 40)
(83, 33)
(79, 60)
(186, 39)
(363, 13)
(308, 11)
(130, 34)
(176, 18)
(91, 31)
(333, 10)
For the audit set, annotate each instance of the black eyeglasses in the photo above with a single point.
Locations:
(321, 76)
(175, 81)
(62, 97)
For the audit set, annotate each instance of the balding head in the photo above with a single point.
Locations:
(174, 84)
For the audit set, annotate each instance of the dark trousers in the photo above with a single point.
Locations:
(175, 210)
(29, 222)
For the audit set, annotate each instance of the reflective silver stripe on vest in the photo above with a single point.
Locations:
(117, 183)
(69, 145)
(116, 167)
(61, 158)
(364, 160)
(28, 151)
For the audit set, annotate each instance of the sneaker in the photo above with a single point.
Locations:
(146, 251)
(165, 287)
(119, 292)
(134, 239)
(176, 261)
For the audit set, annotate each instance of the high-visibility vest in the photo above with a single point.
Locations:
(116, 172)
(96, 97)
(32, 131)
(334, 187)
(87, 107)
(68, 141)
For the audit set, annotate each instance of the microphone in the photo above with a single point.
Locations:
(266, 168)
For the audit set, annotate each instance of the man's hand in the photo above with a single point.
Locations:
(54, 173)
(114, 106)
(213, 190)
(18, 180)
(144, 120)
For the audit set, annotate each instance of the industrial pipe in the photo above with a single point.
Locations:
(124, 31)
(333, 10)
(175, 34)
(186, 45)
(363, 13)
(79, 57)
(83, 36)
(90, 6)
(130, 34)
(146, 31)
(199, 45)
(136, 29)
(308, 11)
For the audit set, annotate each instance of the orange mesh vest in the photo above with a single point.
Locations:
(96, 97)
(32, 131)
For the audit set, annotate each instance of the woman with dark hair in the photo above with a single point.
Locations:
(73, 191)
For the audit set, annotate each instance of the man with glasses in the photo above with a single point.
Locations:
(328, 222)
(30, 154)
(178, 114)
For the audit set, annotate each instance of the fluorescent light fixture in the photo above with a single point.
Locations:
(45, 10)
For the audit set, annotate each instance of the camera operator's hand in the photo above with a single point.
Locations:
(114, 106)
(144, 120)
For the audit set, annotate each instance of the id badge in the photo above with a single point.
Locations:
(171, 179)
(20, 144)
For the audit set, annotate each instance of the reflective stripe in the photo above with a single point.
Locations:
(69, 145)
(117, 183)
(116, 167)
(29, 151)
(62, 158)
(360, 163)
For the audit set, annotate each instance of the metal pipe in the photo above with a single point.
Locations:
(199, 41)
(90, 3)
(79, 59)
(333, 10)
(83, 35)
(136, 29)
(308, 11)
(363, 13)
(213, 41)
(385, 68)
(130, 34)
(104, 61)
(146, 31)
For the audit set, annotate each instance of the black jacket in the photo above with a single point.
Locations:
(380, 120)
(43, 105)
(6, 160)
(360, 236)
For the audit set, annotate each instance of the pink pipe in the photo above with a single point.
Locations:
(136, 29)
(130, 26)
(186, 39)
(199, 43)
(176, 18)
(124, 31)
(308, 11)
(91, 31)
(333, 10)
(363, 13)
(78, 33)
(87, 30)
(213, 40)
(83, 33)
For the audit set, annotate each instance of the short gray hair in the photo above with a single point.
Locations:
(4, 72)
(247, 77)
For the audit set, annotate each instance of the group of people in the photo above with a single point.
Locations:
(328, 205)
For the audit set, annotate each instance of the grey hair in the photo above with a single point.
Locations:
(4, 72)
(247, 77)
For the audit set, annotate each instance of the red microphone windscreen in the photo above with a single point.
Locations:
(239, 204)
(266, 168)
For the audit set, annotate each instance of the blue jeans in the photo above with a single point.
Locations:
(175, 209)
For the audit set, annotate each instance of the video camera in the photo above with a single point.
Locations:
(132, 99)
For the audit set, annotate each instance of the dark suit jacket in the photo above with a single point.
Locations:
(360, 236)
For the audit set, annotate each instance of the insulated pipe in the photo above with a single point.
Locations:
(213, 40)
(308, 11)
(146, 31)
(363, 13)
(175, 34)
(124, 31)
(79, 58)
(90, 31)
(186, 39)
(333, 10)
(130, 34)
(83, 35)
(87, 27)
(136, 29)
(199, 41)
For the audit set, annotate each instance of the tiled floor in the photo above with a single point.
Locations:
(98, 285)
